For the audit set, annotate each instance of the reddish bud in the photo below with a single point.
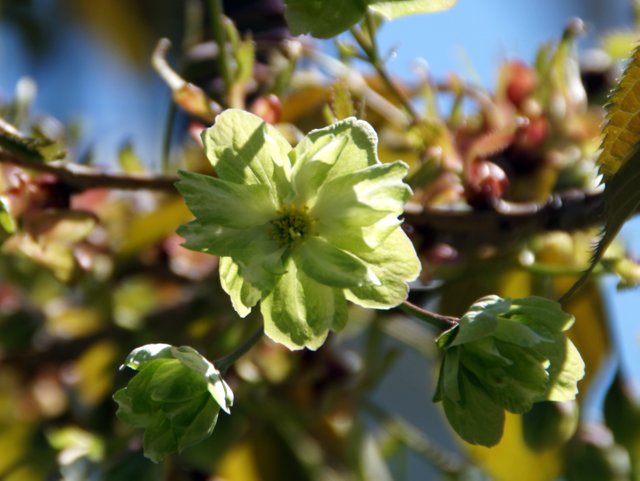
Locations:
(268, 107)
(521, 82)
(486, 183)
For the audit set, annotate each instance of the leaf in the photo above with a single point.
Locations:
(323, 19)
(39, 149)
(48, 237)
(619, 162)
(476, 418)
(567, 368)
(398, 8)
(7, 223)
(622, 129)
(342, 103)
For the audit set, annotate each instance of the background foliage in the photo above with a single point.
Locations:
(91, 269)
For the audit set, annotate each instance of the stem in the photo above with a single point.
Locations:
(217, 29)
(368, 46)
(79, 181)
(447, 462)
(225, 362)
(438, 321)
(166, 141)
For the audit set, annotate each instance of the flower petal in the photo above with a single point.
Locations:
(327, 153)
(299, 312)
(258, 256)
(215, 201)
(329, 265)
(243, 295)
(360, 209)
(246, 150)
(394, 262)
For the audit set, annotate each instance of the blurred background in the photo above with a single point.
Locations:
(89, 62)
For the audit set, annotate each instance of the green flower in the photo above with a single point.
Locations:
(175, 397)
(505, 354)
(300, 229)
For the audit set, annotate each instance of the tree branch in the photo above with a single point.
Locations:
(509, 222)
(79, 181)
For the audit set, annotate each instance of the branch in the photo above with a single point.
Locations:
(447, 462)
(509, 222)
(369, 47)
(79, 181)
(227, 361)
(438, 321)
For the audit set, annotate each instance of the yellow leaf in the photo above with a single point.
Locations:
(95, 371)
(157, 225)
(622, 130)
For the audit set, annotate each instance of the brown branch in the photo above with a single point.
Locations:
(79, 181)
(505, 223)
(509, 222)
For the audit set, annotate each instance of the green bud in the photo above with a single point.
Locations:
(175, 397)
(622, 414)
(505, 354)
(593, 456)
(550, 424)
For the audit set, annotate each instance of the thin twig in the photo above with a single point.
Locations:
(79, 181)
(436, 320)
(166, 141)
(217, 29)
(225, 362)
(369, 47)
(445, 461)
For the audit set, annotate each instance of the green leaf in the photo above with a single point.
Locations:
(225, 203)
(243, 295)
(323, 18)
(299, 312)
(398, 8)
(394, 263)
(175, 397)
(567, 369)
(480, 320)
(7, 223)
(244, 149)
(476, 418)
(451, 374)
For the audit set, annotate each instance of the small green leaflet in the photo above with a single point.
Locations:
(399, 8)
(619, 162)
(328, 18)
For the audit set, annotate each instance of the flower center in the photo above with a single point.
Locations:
(293, 225)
